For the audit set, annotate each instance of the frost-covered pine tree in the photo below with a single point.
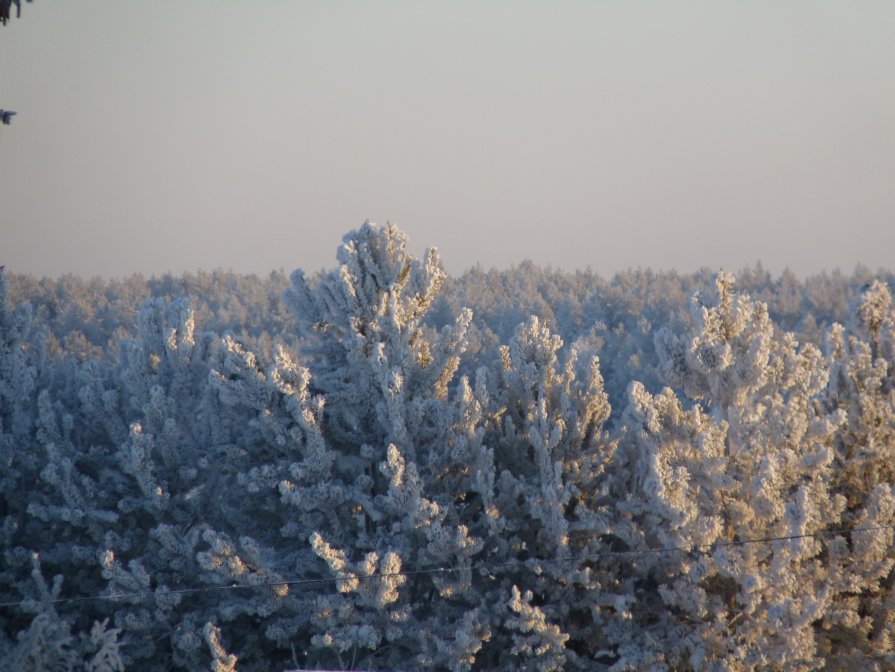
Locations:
(372, 492)
(858, 629)
(368, 437)
(545, 415)
(135, 471)
(747, 455)
(45, 639)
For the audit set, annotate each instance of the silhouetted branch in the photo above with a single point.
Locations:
(5, 7)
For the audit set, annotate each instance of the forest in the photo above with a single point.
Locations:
(381, 467)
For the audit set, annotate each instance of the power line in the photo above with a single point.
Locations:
(703, 549)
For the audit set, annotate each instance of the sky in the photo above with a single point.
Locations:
(186, 135)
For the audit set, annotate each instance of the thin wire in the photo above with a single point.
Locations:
(484, 566)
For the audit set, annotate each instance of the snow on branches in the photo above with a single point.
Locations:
(392, 486)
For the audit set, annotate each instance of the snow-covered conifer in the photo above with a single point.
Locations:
(752, 458)
(370, 491)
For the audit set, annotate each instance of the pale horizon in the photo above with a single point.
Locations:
(174, 137)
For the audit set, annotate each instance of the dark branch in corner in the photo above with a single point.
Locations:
(6, 7)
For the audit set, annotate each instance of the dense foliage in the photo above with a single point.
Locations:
(380, 467)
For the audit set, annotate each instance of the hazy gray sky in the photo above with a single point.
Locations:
(186, 135)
